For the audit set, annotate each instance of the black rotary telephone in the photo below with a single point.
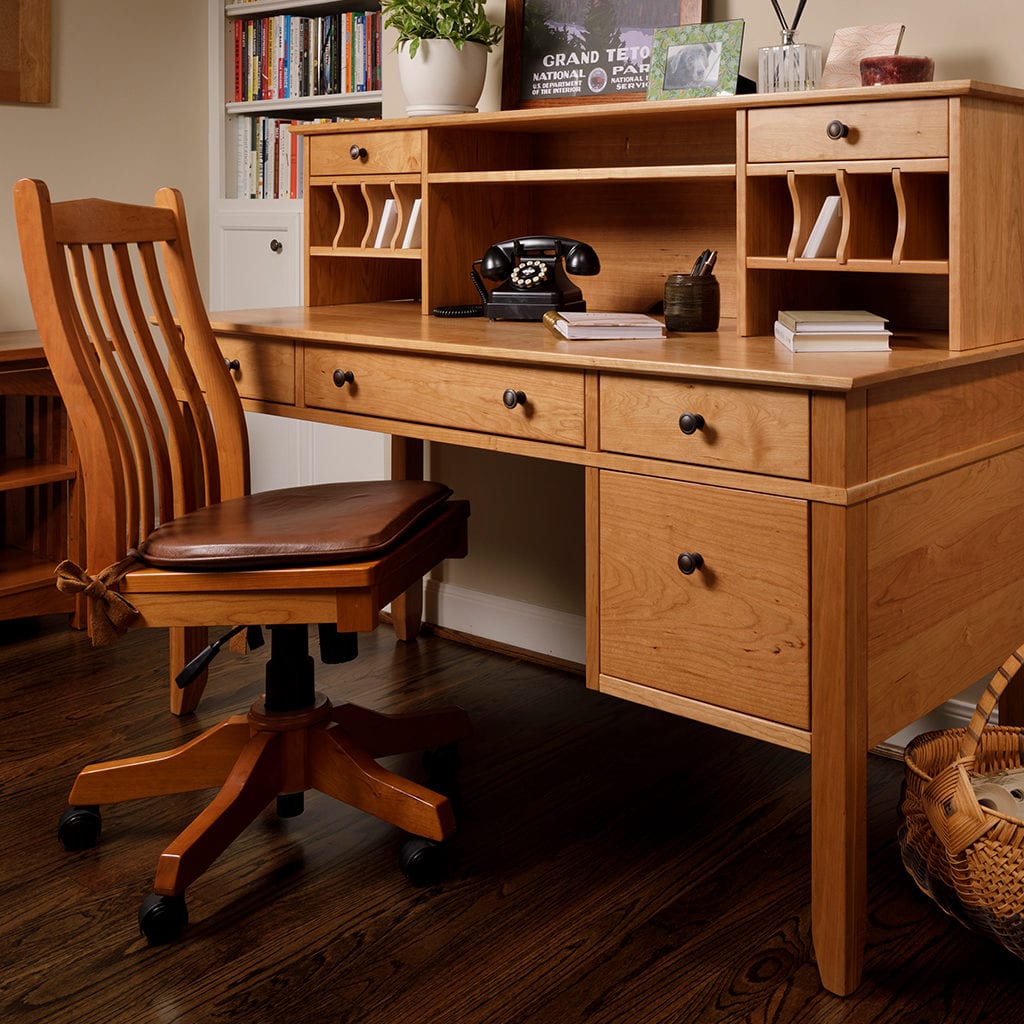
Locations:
(531, 275)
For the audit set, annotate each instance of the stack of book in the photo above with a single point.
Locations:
(832, 330)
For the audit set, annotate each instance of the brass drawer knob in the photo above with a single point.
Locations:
(689, 562)
(691, 422)
(343, 377)
(837, 130)
(512, 398)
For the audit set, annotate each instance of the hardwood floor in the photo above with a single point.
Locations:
(613, 864)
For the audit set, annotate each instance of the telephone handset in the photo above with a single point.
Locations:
(531, 272)
(531, 276)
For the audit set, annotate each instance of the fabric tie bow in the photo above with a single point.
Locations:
(110, 614)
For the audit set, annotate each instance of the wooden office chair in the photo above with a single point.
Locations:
(172, 530)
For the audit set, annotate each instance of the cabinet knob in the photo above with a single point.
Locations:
(837, 130)
(343, 377)
(275, 245)
(689, 562)
(232, 364)
(512, 398)
(357, 152)
(691, 422)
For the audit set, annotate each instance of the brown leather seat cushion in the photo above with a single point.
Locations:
(321, 524)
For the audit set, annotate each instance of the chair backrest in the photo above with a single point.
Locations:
(156, 417)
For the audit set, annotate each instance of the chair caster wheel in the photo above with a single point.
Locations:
(79, 828)
(162, 918)
(422, 860)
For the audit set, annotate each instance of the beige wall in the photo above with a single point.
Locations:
(128, 114)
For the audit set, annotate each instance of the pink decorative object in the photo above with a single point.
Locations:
(894, 68)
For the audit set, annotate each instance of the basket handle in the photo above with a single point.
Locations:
(1001, 678)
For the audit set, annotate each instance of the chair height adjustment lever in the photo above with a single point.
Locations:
(203, 658)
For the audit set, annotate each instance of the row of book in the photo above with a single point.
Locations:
(268, 157)
(285, 56)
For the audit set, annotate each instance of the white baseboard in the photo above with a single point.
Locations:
(563, 636)
(514, 623)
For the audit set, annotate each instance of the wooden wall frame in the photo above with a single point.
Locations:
(25, 51)
(691, 12)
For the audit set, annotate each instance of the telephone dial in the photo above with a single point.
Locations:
(531, 278)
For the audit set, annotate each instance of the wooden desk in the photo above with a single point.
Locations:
(855, 520)
(855, 514)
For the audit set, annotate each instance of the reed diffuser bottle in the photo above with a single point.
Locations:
(790, 66)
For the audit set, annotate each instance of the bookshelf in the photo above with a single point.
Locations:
(256, 233)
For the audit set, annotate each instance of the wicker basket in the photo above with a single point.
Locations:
(968, 858)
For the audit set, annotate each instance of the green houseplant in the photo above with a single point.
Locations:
(461, 21)
(442, 52)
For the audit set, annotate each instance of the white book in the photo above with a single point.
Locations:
(832, 341)
(823, 241)
(388, 221)
(413, 231)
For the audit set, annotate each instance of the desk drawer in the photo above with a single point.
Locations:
(734, 633)
(902, 129)
(386, 153)
(761, 430)
(266, 368)
(449, 393)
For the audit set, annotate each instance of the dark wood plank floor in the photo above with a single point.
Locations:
(614, 864)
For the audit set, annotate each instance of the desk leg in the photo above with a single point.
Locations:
(838, 745)
(407, 610)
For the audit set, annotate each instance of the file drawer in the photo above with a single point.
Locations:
(903, 129)
(733, 633)
(537, 404)
(375, 153)
(761, 430)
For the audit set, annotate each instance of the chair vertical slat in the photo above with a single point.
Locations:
(106, 334)
(183, 452)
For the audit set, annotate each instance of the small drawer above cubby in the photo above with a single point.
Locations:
(369, 153)
(896, 130)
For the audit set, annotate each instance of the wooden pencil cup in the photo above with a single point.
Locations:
(692, 303)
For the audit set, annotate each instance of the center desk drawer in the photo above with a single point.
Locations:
(735, 631)
(265, 370)
(376, 153)
(760, 430)
(456, 393)
(900, 129)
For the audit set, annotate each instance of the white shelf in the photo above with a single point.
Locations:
(262, 7)
(297, 104)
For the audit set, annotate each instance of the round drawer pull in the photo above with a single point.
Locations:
(357, 152)
(343, 377)
(512, 398)
(689, 562)
(232, 364)
(837, 130)
(691, 422)
(275, 245)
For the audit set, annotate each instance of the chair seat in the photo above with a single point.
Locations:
(323, 524)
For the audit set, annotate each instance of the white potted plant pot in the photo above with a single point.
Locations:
(441, 79)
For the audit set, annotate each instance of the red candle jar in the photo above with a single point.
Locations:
(894, 68)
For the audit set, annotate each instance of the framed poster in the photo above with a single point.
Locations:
(584, 51)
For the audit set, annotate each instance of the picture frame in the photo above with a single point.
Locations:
(696, 60)
(24, 51)
(527, 45)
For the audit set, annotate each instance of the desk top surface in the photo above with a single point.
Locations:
(721, 355)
